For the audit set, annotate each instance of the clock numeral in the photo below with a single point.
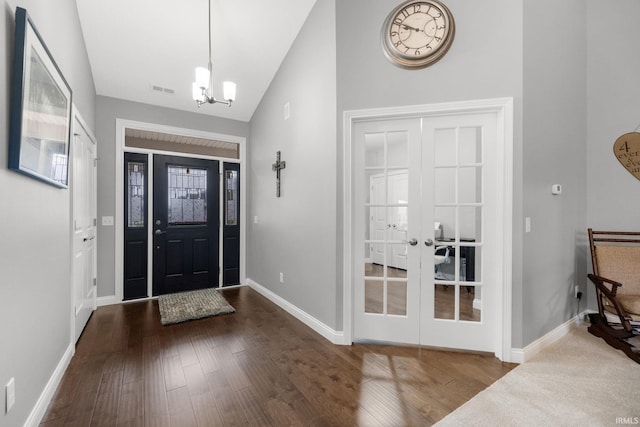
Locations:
(398, 43)
(405, 13)
(394, 33)
(625, 147)
(416, 8)
(397, 21)
(417, 52)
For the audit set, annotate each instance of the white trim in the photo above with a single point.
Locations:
(336, 337)
(522, 355)
(121, 126)
(503, 107)
(42, 404)
(108, 300)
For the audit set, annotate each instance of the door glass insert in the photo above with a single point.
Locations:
(397, 298)
(458, 216)
(386, 207)
(187, 193)
(135, 193)
(444, 302)
(374, 296)
(231, 197)
(470, 303)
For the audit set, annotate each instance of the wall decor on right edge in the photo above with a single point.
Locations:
(627, 151)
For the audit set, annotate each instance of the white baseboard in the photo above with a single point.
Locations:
(336, 337)
(47, 394)
(522, 355)
(108, 300)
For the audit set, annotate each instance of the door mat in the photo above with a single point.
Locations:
(184, 306)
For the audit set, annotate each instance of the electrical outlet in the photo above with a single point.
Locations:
(10, 390)
(281, 277)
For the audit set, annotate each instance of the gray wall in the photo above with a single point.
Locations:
(295, 233)
(613, 83)
(35, 289)
(555, 59)
(485, 61)
(107, 111)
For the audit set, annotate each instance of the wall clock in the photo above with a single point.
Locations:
(417, 34)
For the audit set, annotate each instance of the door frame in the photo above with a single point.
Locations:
(77, 119)
(503, 109)
(120, 148)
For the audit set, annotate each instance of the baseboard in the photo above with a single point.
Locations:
(522, 355)
(47, 394)
(108, 300)
(336, 337)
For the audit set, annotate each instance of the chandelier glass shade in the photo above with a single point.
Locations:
(202, 88)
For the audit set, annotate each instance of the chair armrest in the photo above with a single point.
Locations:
(610, 294)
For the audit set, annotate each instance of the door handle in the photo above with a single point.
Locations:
(86, 239)
(412, 242)
(159, 232)
(428, 242)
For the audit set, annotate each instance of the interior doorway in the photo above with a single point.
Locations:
(428, 237)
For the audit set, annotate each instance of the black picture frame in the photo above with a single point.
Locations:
(40, 117)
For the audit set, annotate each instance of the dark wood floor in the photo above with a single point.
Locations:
(257, 367)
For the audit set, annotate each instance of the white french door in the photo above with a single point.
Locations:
(415, 282)
(84, 227)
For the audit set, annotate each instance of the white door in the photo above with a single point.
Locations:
(459, 189)
(84, 226)
(431, 289)
(387, 266)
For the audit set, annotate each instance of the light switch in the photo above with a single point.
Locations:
(286, 110)
(107, 221)
(255, 219)
(556, 189)
(527, 225)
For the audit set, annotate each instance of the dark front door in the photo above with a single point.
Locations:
(186, 210)
(135, 229)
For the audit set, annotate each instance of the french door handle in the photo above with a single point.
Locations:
(412, 242)
(428, 242)
(159, 232)
(85, 239)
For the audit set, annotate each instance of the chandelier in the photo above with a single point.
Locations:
(203, 86)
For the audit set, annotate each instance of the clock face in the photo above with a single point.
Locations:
(417, 33)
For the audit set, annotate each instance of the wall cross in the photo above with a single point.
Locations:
(278, 166)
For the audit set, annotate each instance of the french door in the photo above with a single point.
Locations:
(425, 263)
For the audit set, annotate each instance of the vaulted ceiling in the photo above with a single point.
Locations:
(147, 50)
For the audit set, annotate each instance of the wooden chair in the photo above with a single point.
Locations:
(615, 257)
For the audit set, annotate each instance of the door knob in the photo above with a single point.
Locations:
(158, 232)
(412, 242)
(428, 242)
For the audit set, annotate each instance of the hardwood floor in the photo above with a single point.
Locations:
(257, 367)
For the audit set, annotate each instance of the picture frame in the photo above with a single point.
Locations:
(40, 116)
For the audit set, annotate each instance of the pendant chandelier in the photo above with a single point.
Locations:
(203, 86)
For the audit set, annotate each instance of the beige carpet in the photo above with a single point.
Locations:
(577, 381)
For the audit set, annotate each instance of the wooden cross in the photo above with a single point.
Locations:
(278, 166)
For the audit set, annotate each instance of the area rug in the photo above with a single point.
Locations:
(184, 306)
(577, 381)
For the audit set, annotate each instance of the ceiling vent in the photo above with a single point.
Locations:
(164, 90)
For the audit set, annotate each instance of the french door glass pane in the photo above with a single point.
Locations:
(397, 298)
(374, 296)
(444, 302)
(187, 195)
(470, 303)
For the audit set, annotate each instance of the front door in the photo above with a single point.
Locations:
(424, 256)
(186, 194)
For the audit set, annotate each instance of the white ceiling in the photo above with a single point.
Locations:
(134, 45)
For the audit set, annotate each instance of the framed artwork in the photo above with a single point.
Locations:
(40, 120)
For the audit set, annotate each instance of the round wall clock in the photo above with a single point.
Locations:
(417, 34)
